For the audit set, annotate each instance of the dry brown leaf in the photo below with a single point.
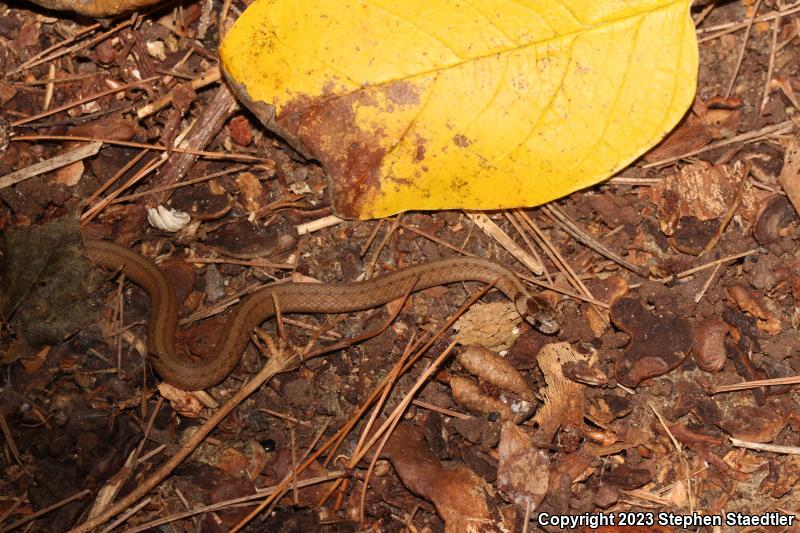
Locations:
(493, 325)
(183, 402)
(703, 191)
(523, 471)
(457, 492)
(790, 173)
(563, 399)
(751, 301)
(95, 8)
(252, 192)
(69, 175)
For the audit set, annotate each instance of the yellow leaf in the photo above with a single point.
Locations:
(436, 104)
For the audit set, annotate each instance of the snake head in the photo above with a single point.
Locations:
(538, 313)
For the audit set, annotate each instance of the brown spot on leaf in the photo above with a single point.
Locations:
(659, 342)
(401, 93)
(461, 140)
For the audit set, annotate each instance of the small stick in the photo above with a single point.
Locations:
(441, 410)
(293, 448)
(745, 385)
(274, 366)
(707, 284)
(77, 154)
(581, 236)
(111, 181)
(782, 127)
(124, 516)
(44, 511)
(12, 445)
(156, 147)
(257, 262)
(137, 195)
(763, 447)
(318, 224)
(48, 92)
(726, 218)
(772, 49)
(82, 101)
(679, 450)
(369, 268)
(230, 503)
(494, 231)
(730, 27)
(742, 50)
(695, 270)
(209, 77)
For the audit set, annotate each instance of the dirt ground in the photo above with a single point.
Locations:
(673, 281)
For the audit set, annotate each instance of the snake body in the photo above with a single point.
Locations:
(295, 298)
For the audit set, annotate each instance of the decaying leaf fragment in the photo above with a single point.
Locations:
(523, 471)
(563, 399)
(493, 325)
(432, 104)
(659, 342)
(459, 494)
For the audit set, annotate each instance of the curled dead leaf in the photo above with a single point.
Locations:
(523, 471)
(563, 398)
(183, 402)
(702, 191)
(756, 423)
(752, 302)
(708, 349)
(459, 495)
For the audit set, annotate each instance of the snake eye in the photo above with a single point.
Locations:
(537, 312)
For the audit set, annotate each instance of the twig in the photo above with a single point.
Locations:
(274, 366)
(707, 284)
(581, 236)
(229, 503)
(782, 127)
(730, 27)
(756, 383)
(77, 154)
(679, 451)
(81, 101)
(494, 231)
(695, 270)
(726, 218)
(318, 224)
(42, 512)
(763, 447)
(156, 147)
(211, 121)
(772, 49)
(385, 432)
(209, 77)
(12, 445)
(742, 50)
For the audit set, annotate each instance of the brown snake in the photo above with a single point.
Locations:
(295, 298)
